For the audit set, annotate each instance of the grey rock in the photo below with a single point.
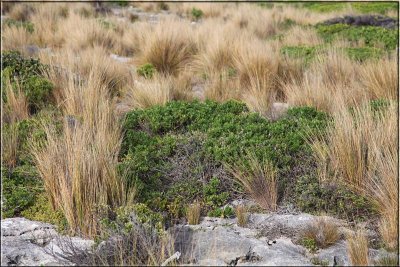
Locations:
(26, 242)
(364, 20)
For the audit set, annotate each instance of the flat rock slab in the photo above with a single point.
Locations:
(364, 20)
(31, 243)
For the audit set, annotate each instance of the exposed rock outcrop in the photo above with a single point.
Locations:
(31, 243)
(365, 20)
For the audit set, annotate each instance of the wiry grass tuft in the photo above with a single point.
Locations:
(258, 179)
(78, 166)
(169, 47)
(193, 213)
(357, 249)
(324, 232)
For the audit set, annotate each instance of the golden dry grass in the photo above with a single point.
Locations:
(169, 46)
(15, 108)
(357, 249)
(241, 215)
(360, 150)
(258, 179)
(193, 213)
(78, 167)
(323, 231)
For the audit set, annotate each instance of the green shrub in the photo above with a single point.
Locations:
(42, 211)
(20, 66)
(19, 189)
(363, 53)
(312, 197)
(27, 72)
(226, 212)
(197, 13)
(28, 26)
(215, 134)
(371, 35)
(38, 91)
(147, 70)
(307, 53)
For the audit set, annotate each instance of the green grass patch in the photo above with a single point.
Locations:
(362, 7)
(308, 53)
(371, 35)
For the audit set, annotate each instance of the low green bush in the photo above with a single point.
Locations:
(212, 134)
(28, 26)
(226, 212)
(41, 210)
(308, 53)
(313, 197)
(375, 7)
(19, 189)
(27, 73)
(196, 13)
(371, 35)
(310, 244)
(363, 53)
(147, 70)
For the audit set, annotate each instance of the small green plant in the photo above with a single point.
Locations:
(363, 53)
(226, 212)
(147, 70)
(19, 189)
(310, 244)
(197, 13)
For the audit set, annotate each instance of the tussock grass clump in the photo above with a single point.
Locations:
(359, 150)
(259, 180)
(148, 93)
(357, 249)
(324, 233)
(78, 166)
(257, 72)
(193, 213)
(169, 46)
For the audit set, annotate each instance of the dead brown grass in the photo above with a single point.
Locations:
(169, 46)
(360, 150)
(241, 215)
(193, 213)
(78, 167)
(15, 108)
(357, 249)
(147, 93)
(323, 231)
(258, 179)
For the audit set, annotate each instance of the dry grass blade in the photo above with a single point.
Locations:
(357, 249)
(324, 232)
(79, 166)
(193, 213)
(258, 179)
(241, 215)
